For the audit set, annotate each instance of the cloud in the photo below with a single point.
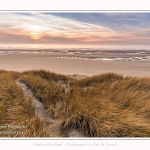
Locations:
(126, 14)
(10, 38)
(37, 27)
(130, 19)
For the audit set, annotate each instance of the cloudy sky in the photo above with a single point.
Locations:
(75, 28)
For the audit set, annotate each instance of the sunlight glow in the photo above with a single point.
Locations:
(35, 31)
(83, 28)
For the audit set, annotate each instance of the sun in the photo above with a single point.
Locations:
(35, 31)
(35, 35)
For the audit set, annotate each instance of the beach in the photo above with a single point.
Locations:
(72, 65)
(58, 94)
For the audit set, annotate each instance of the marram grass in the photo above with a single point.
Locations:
(106, 105)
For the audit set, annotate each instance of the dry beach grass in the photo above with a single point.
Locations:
(17, 117)
(105, 105)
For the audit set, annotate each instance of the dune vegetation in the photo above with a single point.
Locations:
(105, 105)
(17, 114)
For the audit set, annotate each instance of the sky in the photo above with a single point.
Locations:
(75, 28)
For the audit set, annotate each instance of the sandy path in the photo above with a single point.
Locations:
(39, 107)
(52, 125)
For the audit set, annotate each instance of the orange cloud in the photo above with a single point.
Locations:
(40, 28)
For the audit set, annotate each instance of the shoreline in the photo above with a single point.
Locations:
(23, 62)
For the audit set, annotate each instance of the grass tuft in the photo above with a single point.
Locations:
(106, 105)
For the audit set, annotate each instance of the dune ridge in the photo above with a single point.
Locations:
(105, 105)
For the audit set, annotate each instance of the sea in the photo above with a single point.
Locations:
(82, 52)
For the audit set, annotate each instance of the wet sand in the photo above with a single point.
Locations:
(22, 62)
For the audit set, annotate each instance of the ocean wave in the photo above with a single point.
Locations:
(105, 59)
(95, 55)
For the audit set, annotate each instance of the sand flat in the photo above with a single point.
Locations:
(22, 62)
